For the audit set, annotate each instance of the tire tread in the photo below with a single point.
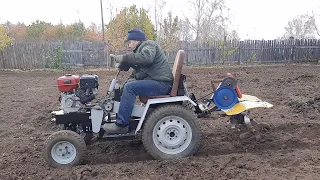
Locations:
(68, 135)
(154, 116)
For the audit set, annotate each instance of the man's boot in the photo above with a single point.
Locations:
(113, 128)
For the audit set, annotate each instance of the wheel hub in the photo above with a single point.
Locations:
(63, 152)
(172, 135)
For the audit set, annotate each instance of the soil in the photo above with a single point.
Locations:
(290, 150)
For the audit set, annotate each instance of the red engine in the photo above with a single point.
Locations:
(68, 82)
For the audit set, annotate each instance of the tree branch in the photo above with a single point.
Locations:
(315, 26)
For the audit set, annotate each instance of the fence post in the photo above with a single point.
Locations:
(293, 49)
(239, 54)
(82, 55)
(261, 54)
(223, 51)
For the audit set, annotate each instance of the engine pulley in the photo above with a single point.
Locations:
(229, 81)
(69, 103)
(225, 97)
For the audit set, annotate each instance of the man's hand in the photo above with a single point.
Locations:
(117, 58)
(122, 67)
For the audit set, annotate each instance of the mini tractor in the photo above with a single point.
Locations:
(168, 124)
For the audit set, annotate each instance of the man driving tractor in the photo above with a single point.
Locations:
(151, 76)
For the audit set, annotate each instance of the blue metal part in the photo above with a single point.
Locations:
(225, 97)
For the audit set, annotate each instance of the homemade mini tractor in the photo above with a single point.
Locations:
(168, 124)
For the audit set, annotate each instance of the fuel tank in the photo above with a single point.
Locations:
(68, 82)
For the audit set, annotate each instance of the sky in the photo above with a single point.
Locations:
(253, 19)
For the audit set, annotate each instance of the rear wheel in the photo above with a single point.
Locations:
(171, 131)
(64, 148)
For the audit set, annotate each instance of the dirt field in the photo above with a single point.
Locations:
(291, 150)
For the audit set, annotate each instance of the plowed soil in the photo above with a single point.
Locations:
(290, 150)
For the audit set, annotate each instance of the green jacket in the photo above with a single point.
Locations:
(149, 63)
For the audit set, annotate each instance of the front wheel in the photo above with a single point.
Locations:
(78, 129)
(171, 131)
(64, 148)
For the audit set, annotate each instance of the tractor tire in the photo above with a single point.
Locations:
(64, 148)
(171, 131)
(86, 136)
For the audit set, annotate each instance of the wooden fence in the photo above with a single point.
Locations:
(251, 51)
(31, 55)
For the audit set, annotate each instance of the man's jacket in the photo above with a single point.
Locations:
(149, 62)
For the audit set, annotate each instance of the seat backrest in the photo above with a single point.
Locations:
(176, 71)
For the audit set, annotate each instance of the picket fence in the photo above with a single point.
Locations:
(37, 55)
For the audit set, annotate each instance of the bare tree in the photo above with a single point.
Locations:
(185, 30)
(111, 10)
(209, 22)
(213, 22)
(158, 11)
(315, 24)
(198, 8)
(171, 32)
(155, 14)
(301, 27)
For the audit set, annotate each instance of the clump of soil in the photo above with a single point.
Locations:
(310, 108)
(305, 77)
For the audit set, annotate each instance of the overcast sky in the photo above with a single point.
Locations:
(253, 19)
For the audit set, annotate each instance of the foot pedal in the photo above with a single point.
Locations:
(119, 137)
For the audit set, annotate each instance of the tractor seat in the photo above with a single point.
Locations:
(176, 71)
